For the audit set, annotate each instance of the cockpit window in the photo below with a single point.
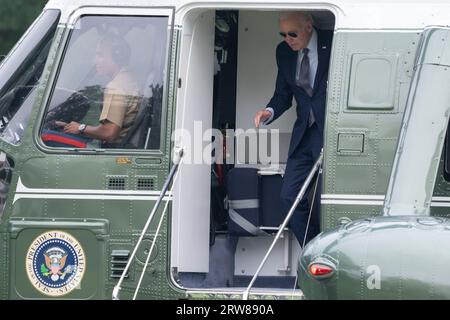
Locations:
(109, 89)
(20, 73)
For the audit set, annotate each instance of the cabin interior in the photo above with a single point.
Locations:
(228, 71)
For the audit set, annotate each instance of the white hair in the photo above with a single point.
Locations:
(301, 16)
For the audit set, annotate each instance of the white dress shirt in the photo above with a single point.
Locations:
(313, 59)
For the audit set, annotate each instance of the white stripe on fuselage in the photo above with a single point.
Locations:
(371, 200)
(23, 192)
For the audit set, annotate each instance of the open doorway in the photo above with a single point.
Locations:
(229, 69)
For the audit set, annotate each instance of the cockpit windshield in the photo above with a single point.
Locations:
(20, 73)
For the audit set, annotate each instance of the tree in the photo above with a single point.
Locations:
(15, 17)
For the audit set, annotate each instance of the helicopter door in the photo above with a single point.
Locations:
(95, 191)
(21, 77)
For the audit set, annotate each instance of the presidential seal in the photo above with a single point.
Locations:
(55, 263)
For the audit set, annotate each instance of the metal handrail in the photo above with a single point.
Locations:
(299, 197)
(152, 247)
(178, 154)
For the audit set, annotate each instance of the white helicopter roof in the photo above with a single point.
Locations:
(352, 14)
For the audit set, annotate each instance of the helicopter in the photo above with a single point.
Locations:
(181, 202)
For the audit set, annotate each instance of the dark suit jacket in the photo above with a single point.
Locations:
(286, 88)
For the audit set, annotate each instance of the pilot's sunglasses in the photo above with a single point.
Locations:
(290, 34)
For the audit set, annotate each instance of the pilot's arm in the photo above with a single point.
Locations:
(111, 118)
(106, 131)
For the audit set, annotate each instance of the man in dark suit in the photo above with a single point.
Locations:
(303, 60)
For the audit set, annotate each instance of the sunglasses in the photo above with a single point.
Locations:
(290, 34)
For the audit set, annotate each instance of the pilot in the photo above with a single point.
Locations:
(302, 59)
(121, 97)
